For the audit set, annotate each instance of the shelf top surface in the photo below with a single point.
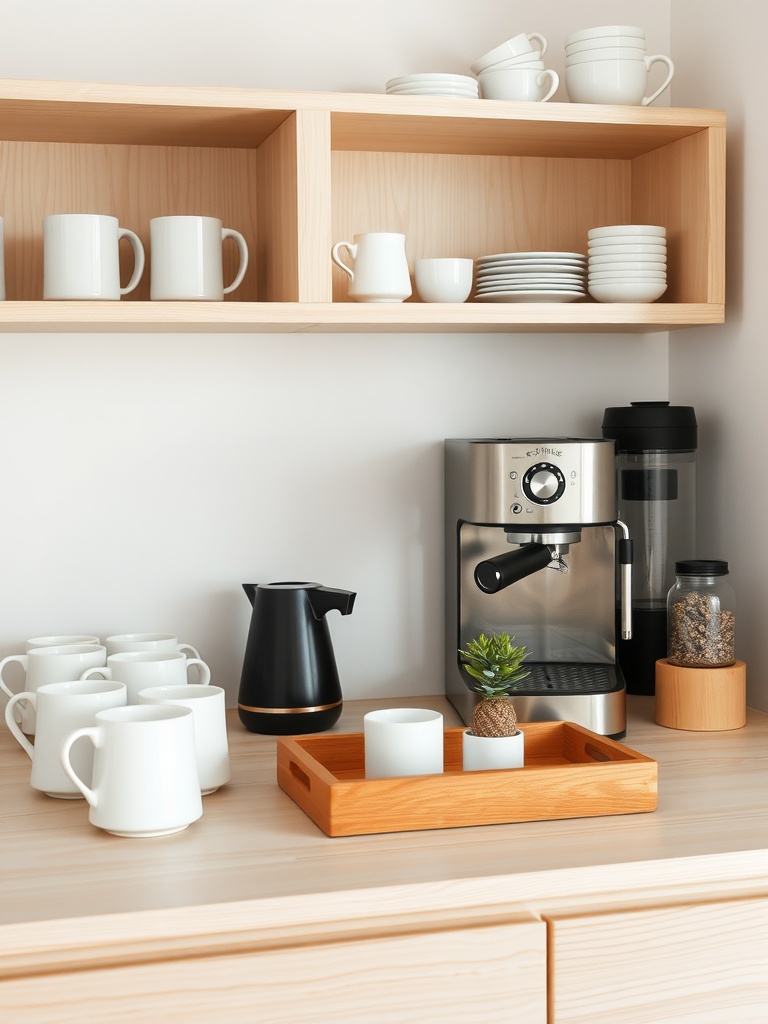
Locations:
(242, 118)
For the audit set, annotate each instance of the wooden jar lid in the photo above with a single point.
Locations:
(701, 699)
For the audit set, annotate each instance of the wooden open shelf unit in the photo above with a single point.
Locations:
(295, 172)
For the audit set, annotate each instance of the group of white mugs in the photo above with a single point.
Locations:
(81, 257)
(133, 725)
(606, 64)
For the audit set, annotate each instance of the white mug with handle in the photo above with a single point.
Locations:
(379, 271)
(145, 780)
(81, 256)
(140, 669)
(186, 258)
(60, 708)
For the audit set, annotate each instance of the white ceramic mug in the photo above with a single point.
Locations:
(380, 267)
(81, 256)
(403, 741)
(120, 642)
(443, 279)
(207, 704)
(620, 82)
(51, 665)
(526, 84)
(140, 669)
(59, 709)
(61, 640)
(144, 770)
(186, 258)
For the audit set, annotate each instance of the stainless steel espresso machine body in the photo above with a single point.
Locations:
(534, 548)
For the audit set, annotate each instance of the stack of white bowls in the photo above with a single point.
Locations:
(514, 70)
(627, 263)
(433, 84)
(608, 64)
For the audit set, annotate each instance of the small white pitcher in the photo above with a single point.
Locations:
(380, 267)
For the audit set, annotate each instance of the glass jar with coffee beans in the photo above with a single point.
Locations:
(701, 615)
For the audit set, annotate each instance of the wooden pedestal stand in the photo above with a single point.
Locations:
(701, 699)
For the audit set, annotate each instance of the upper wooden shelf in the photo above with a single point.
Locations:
(297, 171)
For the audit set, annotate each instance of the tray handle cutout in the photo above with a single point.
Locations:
(300, 775)
(597, 753)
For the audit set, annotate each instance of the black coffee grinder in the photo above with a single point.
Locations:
(656, 475)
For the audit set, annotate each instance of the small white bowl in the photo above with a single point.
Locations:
(638, 249)
(637, 276)
(628, 262)
(627, 292)
(609, 230)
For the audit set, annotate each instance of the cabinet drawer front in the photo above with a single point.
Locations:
(455, 975)
(703, 963)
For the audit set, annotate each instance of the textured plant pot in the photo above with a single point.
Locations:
(483, 752)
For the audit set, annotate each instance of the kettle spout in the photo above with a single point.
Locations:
(250, 590)
(326, 599)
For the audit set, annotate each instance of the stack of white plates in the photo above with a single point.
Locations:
(531, 277)
(457, 86)
(627, 263)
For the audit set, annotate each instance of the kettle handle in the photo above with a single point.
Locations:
(326, 599)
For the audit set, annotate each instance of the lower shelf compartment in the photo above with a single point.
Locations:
(570, 772)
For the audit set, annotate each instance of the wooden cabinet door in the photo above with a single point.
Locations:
(704, 963)
(491, 974)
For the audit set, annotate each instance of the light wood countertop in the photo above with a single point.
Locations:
(255, 866)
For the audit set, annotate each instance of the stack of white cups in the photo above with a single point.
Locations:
(627, 263)
(609, 65)
(514, 70)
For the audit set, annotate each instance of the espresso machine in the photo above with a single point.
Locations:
(534, 548)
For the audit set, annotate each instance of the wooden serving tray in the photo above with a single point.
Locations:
(569, 772)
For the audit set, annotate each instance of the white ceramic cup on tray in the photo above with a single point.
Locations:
(403, 741)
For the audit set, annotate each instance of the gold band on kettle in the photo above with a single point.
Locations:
(289, 711)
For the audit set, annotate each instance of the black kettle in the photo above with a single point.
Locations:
(290, 684)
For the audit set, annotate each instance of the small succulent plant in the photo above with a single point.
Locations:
(494, 666)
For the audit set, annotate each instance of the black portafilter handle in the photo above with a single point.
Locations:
(495, 574)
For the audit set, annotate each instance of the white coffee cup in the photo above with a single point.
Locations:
(51, 665)
(59, 709)
(403, 741)
(144, 770)
(119, 642)
(443, 279)
(61, 640)
(186, 258)
(606, 53)
(619, 82)
(522, 43)
(207, 704)
(604, 30)
(81, 256)
(380, 266)
(140, 669)
(524, 84)
(600, 42)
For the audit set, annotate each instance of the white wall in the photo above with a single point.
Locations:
(722, 371)
(146, 477)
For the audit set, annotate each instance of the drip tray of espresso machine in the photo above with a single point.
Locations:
(556, 677)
